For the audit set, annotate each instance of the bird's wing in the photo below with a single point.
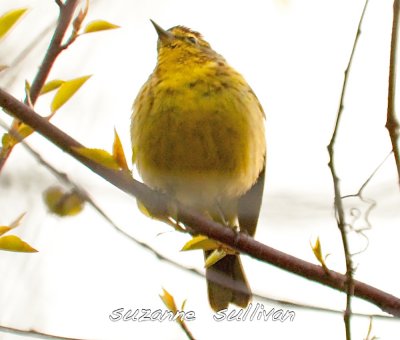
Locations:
(250, 204)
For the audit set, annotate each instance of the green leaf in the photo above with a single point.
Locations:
(52, 85)
(183, 304)
(24, 130)
(27, 87)
(118, 152)
(9, 141)
(143, 209)
(52, 198)
(317, 250)
(169, 301)
(73, 204)
(66, 91)
(201, 242)
(99, 156)
(214, 257)
(99, 25)
(4, 229)
(6, 140)
(14, 243)
(63, 203)
(9, 19)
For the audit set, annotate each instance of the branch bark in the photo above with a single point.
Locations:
(55, 47)
(159, 202)
(392, 123)
(338, 203)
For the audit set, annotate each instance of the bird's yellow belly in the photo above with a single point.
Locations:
(197, 154)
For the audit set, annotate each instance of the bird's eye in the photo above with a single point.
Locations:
(192, 40)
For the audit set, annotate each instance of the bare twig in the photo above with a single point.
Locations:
(371, 204)
(64, 19)
(159, 203)
(369, 334)
(186, 330)
(363, 186)
(392, 123)
(24, 53)
(33, 334)
(339, 209)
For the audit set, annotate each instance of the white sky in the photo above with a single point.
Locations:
(293, 54)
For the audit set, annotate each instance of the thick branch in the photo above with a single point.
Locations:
(159, 202)
(392, 124)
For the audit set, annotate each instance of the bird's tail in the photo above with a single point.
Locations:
(227, 283)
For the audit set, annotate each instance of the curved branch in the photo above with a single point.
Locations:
(159, 203)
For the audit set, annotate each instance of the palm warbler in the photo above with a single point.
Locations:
(198, 135)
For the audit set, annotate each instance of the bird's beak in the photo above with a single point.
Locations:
(163, 35)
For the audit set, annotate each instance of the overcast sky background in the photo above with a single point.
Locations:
(293, 53)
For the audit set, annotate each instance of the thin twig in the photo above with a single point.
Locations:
(160, 203)
(24, 53)
(369, 334)
(186, 330)
(33, 334)
(392, 123)
(339, 209)
(370, 202)
(55, 47)
(362, 188)
(65, 17)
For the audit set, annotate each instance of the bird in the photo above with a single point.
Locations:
(198, 135)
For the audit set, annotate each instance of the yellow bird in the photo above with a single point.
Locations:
(198, 135)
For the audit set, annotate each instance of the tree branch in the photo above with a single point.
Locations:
(392, 123)
(159, 203)
(33, 334)
(339, 209)
(55, 47)
(63, 177)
